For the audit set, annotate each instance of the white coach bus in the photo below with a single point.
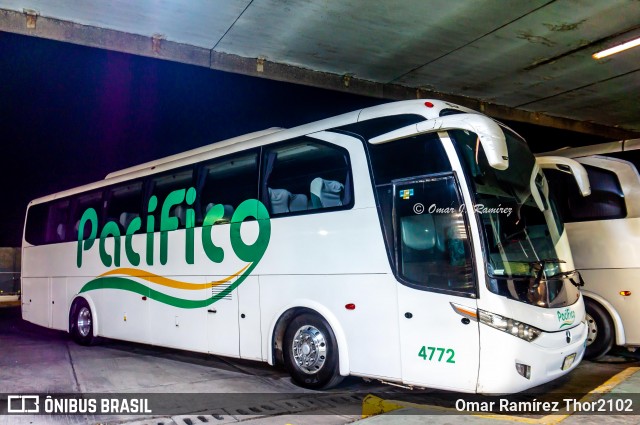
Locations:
(412, 242)
(604, 233)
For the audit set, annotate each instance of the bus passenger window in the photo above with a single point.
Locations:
(49, 223)
(58, 222)
(163, 185)
(304, 176)
(228, 181)
(36, 224)
(81, 203)
(434, 251)
(124, 204)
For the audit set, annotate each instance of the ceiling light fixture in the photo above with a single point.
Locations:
(617, 49)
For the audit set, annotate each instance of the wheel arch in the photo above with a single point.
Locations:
(92, 306)
(618, 326)
(283, 318)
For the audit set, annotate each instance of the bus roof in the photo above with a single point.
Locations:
(429, 108)
(601, 148)
(185, 154)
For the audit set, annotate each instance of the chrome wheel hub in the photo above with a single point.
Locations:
(592, 330)
(309, 349)
(84, 321)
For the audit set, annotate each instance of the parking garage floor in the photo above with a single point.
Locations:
(191, 388)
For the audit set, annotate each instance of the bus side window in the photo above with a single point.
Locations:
(305, 176)
(48, 223)
(36, 224)
(161, 186)
(124, 204)
(58, 222)
(81, 203)
(227, 181)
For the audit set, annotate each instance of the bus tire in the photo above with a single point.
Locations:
(311, 352)
(600, 331)
(81, 322)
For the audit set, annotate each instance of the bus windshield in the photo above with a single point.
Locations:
(521, 258)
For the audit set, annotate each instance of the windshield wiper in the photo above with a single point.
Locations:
(542, 264)
(569, 275)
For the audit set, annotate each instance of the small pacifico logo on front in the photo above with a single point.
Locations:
(566, 317)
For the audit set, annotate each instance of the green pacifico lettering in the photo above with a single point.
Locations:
(566, 317)
(250, 208)
(85, 243)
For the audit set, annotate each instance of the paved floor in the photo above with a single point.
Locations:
(190, 388)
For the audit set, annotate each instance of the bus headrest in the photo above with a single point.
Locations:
(126, 218)
(279, 199)
(326, 193)
(418, 231)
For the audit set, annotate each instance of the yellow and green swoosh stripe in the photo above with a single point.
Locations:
(114, 279)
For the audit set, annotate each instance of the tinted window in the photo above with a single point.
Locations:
(605, 202)
(433, 247)
(304, 176)
(36, 224)
(410, 157)
(58, 221)
(413, 156)
(48, 223)
(80, 204)
(229, 181)
(163, 185)
(369, 129)
(124, 204)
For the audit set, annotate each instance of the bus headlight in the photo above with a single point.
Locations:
(510, 326)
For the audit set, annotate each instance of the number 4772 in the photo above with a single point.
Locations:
(428, 353)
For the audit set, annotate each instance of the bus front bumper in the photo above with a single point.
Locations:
(509, 364)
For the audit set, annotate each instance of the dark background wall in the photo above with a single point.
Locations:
(71, 114)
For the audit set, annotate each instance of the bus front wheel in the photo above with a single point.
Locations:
(311, 352)
(600, 331)
(81, 322)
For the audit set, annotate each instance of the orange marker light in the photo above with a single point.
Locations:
(625, 293)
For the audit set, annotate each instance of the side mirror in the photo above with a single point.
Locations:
(570, 166)
(489, 132)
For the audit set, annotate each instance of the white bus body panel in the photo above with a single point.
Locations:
(610, 263)
(369, 333)
(451, 347)
(615, 316)
(59, 303)
(180, 327)
(223, 333)
(249, 321)
(545, 356)
(36, 304)
(607, 252)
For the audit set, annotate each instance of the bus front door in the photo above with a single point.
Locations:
(437, 299)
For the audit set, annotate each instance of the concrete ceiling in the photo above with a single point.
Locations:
(526, 61)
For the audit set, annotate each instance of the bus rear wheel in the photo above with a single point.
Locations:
(311, 352)
(81, 322)
(600, 331)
